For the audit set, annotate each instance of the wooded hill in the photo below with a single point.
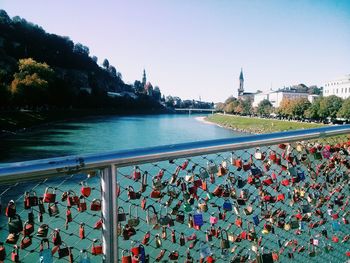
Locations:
(77, 80)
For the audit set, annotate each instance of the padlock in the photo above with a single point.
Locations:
(133, 219)
(49, 197)
(143, 203)
(126, 256)
(96, 249)
(182, 239)
(198, 219)
(212, 167)
(42, 230)
(10, 209)
(202, 205)
(136, 174)
(30, 199)
(72, 199)
(144, 179)
(208, 236)
(15, 224)
(53, 209)
(2, 252)
(85, 190)
(190, 221)
(26, 241)
(218, 190)
(121, 214)
(56, 237)
(158, 241)
(213, 219)
(184, 164)
(132, 195)
(82, 204)
(173, 236)
(28, 228)
(151, 219)
(180, 217)
(82, 231)
(15, 254)
(203, 173)
(98, 224)
(95, 205)
(227, 205)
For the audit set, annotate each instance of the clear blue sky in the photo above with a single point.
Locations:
(193, 48)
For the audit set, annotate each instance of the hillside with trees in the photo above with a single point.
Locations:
(42, 71)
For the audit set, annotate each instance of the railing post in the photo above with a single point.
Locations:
(109, 214)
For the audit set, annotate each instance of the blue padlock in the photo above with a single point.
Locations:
(198, 219)
(256, 220)
(227, 206)
(301, 175)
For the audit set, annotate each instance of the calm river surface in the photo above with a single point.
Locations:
(107, 133)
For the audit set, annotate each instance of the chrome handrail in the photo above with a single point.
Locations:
(53, 167)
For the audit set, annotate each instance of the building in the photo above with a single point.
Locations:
(339, 87)
(241, 94)
(276, 97)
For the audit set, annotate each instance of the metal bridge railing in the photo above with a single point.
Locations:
(262, 198)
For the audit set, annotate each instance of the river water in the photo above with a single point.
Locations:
(107, 133)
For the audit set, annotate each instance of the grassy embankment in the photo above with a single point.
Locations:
(257, 125)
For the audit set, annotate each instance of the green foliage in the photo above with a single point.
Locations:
(231, 106)
(105, 63)
(313, 111)
(344, 111)
(329, 107)
(299, 107)
(264, 108)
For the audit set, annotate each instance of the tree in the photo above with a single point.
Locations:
(105, 63)
(344, 111)
(112, 70)
(30, 83)
(246, 106)
(220, 106)
(4, 18)
(94, 58)
(264, 108)
(313, 111)
(81, 49)
(299, 106)
(285, 108)
(169, 101)
(230, 107)
(329, 107)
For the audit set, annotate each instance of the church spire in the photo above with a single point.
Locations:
(241, 84)
(144, 80)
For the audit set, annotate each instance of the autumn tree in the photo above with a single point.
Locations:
(299, 106)
(285, 108)
(31, 82)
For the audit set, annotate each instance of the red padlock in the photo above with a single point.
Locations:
(126, 257)
(136, 174)
(96, 249)
(85, 189)
(95, 205)
(82, 204)
(2, 252)
(15, 254)
(82, 231)
(10, 209)
(135, 251)
(49, 197)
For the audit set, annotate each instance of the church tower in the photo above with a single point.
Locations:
(144, 80)
(241, 84)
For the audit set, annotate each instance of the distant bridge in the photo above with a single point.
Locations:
(190, 110)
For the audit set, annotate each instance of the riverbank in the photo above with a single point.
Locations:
(257, 125)
(21, 121)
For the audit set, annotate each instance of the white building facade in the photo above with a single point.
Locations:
(276, 97)
(339, 87)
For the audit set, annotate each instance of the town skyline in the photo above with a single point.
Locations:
(199, 53)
